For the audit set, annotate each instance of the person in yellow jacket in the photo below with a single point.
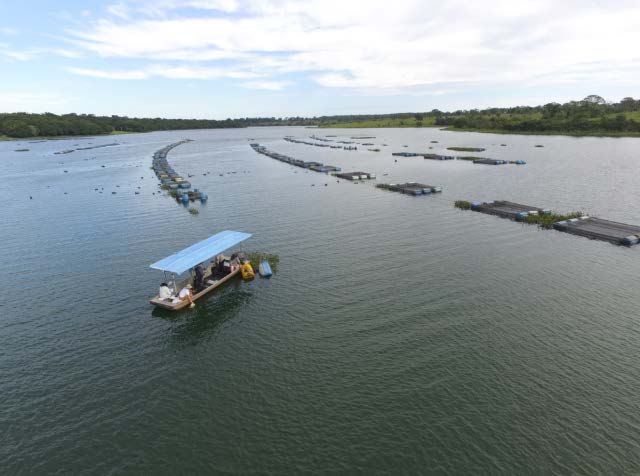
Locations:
(247, 271)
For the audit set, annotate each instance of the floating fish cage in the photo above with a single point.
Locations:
(491, 161)
(411, 188)
(408, 154)
(438, 157)
(353, 176)
(599, 229)
(505, 209)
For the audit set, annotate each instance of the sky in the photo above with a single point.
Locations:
(247, 58)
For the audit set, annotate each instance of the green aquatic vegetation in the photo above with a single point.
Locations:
(462, 204)
(547, 221)
(21, 150)
(466, 149)
(468, 157)
(257, 257)
(193, 210)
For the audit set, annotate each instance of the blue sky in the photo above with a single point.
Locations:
(239, 58)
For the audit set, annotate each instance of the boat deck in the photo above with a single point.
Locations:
(176, 306)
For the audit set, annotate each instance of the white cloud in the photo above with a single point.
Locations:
(9, 52)
(164, 71)
(8, 31)
(119, 10)
(267, 85)
(96, 73)
(18, 101)
(392, 47)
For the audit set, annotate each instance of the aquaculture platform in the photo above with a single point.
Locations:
(410, 188)
(353, 176)
(438, 157)
(599, 229)
(574, 223)
(409, 154)
(505, 209)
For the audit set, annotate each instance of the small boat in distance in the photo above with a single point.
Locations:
(189, 258)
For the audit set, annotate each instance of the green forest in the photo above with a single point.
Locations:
(22, 125)
(591, 116)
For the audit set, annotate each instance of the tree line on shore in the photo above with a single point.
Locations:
(21, 124)
(591, 115)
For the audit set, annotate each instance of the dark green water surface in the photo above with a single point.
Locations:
(399, 336)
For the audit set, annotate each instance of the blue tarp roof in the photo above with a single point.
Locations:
(194, 255)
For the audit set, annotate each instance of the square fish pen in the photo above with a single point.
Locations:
(599, 229)
(505, 209)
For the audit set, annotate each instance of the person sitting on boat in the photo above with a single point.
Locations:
(186, 293)
(199, 279)
(165, 292)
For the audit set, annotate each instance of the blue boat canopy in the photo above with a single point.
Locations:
(194, 255)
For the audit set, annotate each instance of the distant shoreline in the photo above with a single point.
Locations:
(488, 131)
(48, 138)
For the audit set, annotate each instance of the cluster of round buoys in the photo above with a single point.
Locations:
(171, 180)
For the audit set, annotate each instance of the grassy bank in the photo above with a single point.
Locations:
(408, 122)
(546, 133)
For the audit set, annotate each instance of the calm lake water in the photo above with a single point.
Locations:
(400, 335)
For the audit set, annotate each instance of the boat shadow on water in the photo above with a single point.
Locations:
(191, 326)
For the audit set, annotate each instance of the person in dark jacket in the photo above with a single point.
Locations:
(199, 280)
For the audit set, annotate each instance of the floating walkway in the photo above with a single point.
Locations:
(354, 176)
(410, 188)
(575, 223)
(315, 166)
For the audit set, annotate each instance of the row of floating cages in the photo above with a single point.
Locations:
(315, 166)
(475, 160)
(169, 178)
(299, 141)
(410, 188)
